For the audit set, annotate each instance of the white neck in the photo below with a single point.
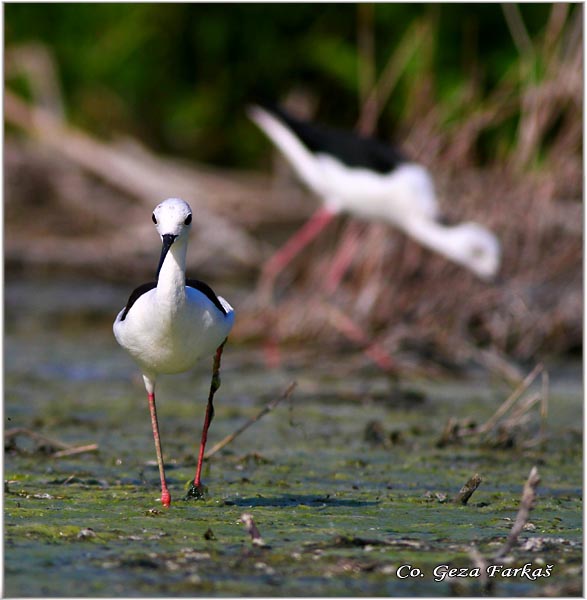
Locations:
(429, 233)
(468, 244)
(171, 282)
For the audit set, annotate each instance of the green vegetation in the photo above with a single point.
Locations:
(178, 76)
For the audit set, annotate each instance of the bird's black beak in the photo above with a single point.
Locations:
(168, 240)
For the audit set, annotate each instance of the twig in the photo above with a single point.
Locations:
(467, 490)
(509, 402)
(66, 449)
(75, 450)
(480, 563)
(12, 433)
(526, 505)
(456, 430)
(251, 527)
(229, 438)
(521, 409)
(494, 361)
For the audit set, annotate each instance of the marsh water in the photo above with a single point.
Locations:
(345, 480)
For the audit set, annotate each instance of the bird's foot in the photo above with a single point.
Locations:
(165, 498)
(196, 492)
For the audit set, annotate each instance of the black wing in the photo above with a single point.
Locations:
(205, 289)
(202, 287)
(135, 295)
(350, 148)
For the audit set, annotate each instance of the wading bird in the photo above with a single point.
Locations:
(167, 325)
(371, 180)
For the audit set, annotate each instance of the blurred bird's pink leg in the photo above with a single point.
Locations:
(353, 332)
(310, 230)
(271, 351)
(342, 259)
(165, 496)
(275, 265)
(197, 490)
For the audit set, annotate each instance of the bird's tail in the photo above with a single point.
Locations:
(288, 143)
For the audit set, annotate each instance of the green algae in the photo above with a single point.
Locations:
(340, 511)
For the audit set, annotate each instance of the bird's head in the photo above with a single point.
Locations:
(173, 219)
(477, 248)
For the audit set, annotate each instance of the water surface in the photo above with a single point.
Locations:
(340, 509)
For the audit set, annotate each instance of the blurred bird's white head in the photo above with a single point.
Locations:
(477, 248)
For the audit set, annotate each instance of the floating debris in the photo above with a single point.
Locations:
(85, 533)
(252, 529)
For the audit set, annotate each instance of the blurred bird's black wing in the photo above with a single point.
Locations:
(350, 148)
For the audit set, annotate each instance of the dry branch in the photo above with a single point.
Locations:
(75, 450)
(526, 505)
(268, 408)
(480, 563)
(501, 427)
(145, 177)
(65, 449)
(511, 400)
(10, 434)
(468, 489)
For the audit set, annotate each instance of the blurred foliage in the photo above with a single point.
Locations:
(178, 76)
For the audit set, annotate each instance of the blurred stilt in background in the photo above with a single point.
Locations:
(368, 179)
(364, 177)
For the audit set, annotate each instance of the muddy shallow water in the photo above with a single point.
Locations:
(345, 480)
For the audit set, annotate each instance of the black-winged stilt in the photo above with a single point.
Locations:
(373, 181)
(168, 324)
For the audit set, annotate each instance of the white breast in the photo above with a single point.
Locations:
(171, 339)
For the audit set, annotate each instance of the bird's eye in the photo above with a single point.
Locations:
(188, 219)
(154, 218)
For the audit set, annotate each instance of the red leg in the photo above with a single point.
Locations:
(207, 420)
(197, 490)
(292, 247)
(343, 257)
(353, 332)
(275, 265)
(271, 352)
(165, 496)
